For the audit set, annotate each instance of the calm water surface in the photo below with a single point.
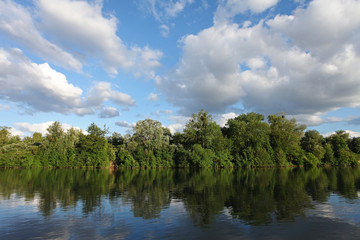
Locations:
(180, 204)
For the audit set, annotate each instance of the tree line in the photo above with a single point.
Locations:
(247, 140)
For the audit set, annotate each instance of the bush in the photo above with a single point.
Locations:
(202, 157)
(311, 161)
(125, 159)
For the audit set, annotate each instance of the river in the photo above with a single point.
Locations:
(274, 203)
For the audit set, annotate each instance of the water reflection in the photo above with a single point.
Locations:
(255, 197)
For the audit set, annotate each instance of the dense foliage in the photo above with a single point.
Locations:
(246, 141)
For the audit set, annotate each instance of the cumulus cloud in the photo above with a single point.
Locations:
(88, 34)
(352, 134)
(177, 127)
(179, 123)
(179, 119)
(102, 91)
(42, 88)
(166, 112)
(95, 35)
(33, 127)
(125, 124)
(17, 23)
(109, 112)
(30, 128)
(15, 132)
(223, 118)
(322, 26)
(153, 97)
(317, 119)
(269, 68)
(230, 8)
(37, 85)
(128, 126)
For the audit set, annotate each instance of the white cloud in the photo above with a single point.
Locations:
(179, 123)
(42, 88)
(177, 127)
(223, 118)
(352, 134)
(167, 112)
(15, 132)
(95, 36)
(33, 127)
(322, 26)
(316, 119)
(30, 128)
(88, 34)
(164, 30)
(268, 69)
(17, 23)
(109, 112)
(37, 85)
(230, 8)
(102, 92)
(174, 8)
(124, 124)
(153, 97)
(164, 9)
(179, 119)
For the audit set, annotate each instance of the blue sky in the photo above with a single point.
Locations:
(117, 62)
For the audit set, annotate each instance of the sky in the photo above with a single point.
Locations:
(117, 62)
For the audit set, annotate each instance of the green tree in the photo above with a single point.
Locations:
(71, 141)
(329, 158)
(53, 150)
(94, 148)
(14, 152)
(205, 141)
(116, 139)
(200, 129)
(5, 135)
(54, 132)
(151, 134)
(149, 146)
(313, 142)
(354, 144)
(285, 139)
(342, 153)
(250, 139)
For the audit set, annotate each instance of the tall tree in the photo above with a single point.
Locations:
(313, 142)
(342, 153)
(201, 129)
(250, 136)
(54, 132)
(203, 137)
(151, 134)
(94, 148)
(4, 135)
(354, 144)
(285, 139)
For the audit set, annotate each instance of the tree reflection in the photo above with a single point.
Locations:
(255, 196)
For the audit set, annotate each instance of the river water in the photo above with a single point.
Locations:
(276, 203)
